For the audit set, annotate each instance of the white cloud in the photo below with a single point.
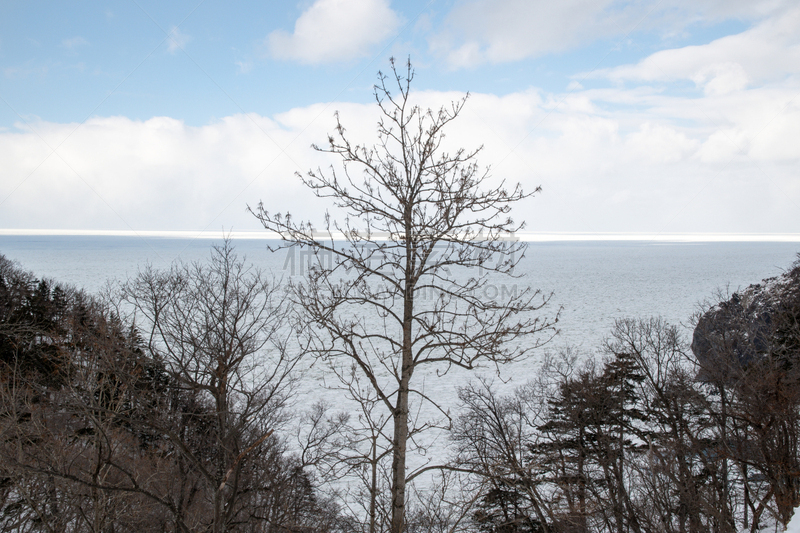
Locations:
(497, 31)
(177, 40)
(722, 78)
(660, 144)
(335, 30)
(510, 30)
(658, 163)
(767, 52)
(119, 173)
(23, 71)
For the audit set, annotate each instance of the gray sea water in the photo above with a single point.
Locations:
(592, 282)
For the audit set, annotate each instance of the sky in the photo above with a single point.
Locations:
(658, 117)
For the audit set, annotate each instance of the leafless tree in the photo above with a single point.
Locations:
(423, 231)
(679, 461)
(220, 332)
(494, 437)
(748, 348)
(102, 431)
(355, 445)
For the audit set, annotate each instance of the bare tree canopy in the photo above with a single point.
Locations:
(105, 429)
(220, 333)
(398, 284)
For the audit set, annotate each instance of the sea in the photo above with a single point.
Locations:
(589, 284)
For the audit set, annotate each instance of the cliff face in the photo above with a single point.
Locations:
(763, 318)
(748, 347)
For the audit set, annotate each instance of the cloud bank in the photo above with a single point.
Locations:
(667, 165)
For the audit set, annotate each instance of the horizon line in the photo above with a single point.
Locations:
(527, 236)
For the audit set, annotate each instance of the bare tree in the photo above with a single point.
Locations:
(747, 349)
(495, 438)
(102, 431)
(219, 330)
(423, 231)
(352, 445)
(677, 462)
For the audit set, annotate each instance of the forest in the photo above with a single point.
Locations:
(167, 423)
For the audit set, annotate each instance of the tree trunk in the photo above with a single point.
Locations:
(583, 526)
(373, 490)
(400, 414)
(399, 459)
(218, 512)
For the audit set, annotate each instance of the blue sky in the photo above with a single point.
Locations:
(657, 117)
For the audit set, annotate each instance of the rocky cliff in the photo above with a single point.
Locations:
(762, 319)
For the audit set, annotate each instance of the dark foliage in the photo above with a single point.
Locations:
(97, 434)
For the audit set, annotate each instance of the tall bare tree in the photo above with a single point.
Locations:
(399, 284)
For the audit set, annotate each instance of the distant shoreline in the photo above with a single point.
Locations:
(523, 236)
